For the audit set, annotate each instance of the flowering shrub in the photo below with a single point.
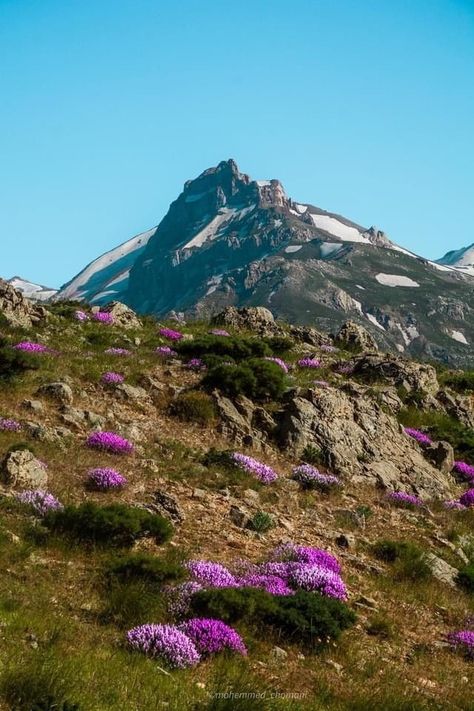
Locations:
(179, 596)
(462, 641)
(454, 504)
(465, 469)
(345, 368)
(263, 472)
(118, 351)
(110, 442)
(318, 578)
(103, 479)
(31, 347)
(281, 363)
(309, 363)
(81, 315)
(310, 477)
(103, 317)
(195, 364)
(40, 501)
(165, 352)
(212, 636)
(111, 378)
(166, 642)
(305, 554)
(273, 584)
(170, 334)
(419, 436)
(401, 498)
(9, 425)
(218, 332)
(467, 499)
(210, 574)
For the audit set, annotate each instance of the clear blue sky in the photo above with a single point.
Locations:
(363, 107)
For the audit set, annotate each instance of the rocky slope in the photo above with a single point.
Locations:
(231, 240)
(461, 259)
(34, 292)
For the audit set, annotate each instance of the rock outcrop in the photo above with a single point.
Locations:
(396, 371)
(21, 469)
(18, 311)
(352, 335)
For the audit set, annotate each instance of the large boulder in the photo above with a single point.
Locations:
(61, 392)
(21, 469)
(254, 318)
(397, 371)
(353, 336)
(123, 316)
(358, 440)
(18, 311)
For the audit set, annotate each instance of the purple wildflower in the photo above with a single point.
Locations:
(179, 596)
(110, 442)
(462, 641)
(103, 479)
(273, 584)
(165, 352)
(454, 504)
(40, 501)
(263, 472)
(103, 317)
(209, 574)
(9, 425)
(401, 498)
(465, 469)
(110, 378)
(218, 332)
(31, 347)
(279, 362)
(166, 642)
(212, 636)
(118, 351)
(467, 499)
(345, 368)
(306, 554)
(170, 334)
(311, 477)
(419, 436)
(81, 316)
(309, 362)
(316, 578)
(327, 348)
(195, 364)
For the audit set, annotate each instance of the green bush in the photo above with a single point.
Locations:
(305, 617)
(14, 363)
(194, 406)
(312, 455)
(115, 524)
(379, 626)
(279, 344)
(132, 603)
(465, 578)
(460, 382)
(144, 567)
(66, 309)
(408, 561)
(261, 522)
(236, 347)
(259, 380)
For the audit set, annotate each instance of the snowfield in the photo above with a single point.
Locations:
(395, 280)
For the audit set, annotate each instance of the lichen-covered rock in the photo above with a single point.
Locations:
(21, 469)
(358, 440)
(397, 371)
(18, 311)
(352, 335)
(441, 454)
(123, 316)
(61, 392)
(255, 318)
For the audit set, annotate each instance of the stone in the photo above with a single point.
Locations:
(168, 505)
(441, 570)
(21, 469)
(254, 318)
(441, 454)
(124, 391)
(61, 392)
(399, 372)
(240, 516)
(199, 494)
(123, 316)
(34, 405)
(345, 540)
(18, 311)
(278, 654)
(353, 336)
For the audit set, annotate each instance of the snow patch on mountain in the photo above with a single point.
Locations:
(35, 292)
(395, 280)
(338, 229)
(459, 336)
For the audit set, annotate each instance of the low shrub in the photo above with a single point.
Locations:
(259, 380)
(465, 577)
(279, 344)
(462, 382)
(305, 617)
(194, 406)
(14, 363)
(379, 626)
(115, 524)
(408, 561)
(236, 347)
(132, 603)
(261, 522)
(144, 567)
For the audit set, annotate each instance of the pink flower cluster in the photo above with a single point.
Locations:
(218, 332)
(165, 352)
(462, 641)
(327, 348)
(81, 316)
(309, 362)
(111, 378)
(103, 317)
(118, 351)
(9, 425)
(31, 347)
(263, 472)
(40, 501)
(401, 498)
(310, 477)
(109, 442)
(278, 361)
(467, 499)
(104, 479)
(195, 364)
(418, 435)
(466, 470)
(213, 636)
(170, 334)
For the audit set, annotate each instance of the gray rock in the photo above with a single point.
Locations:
(279, 654)
(21, 469)
(353, 335)
(128, 392)
(124, 316)
(240, 516)
(255, 318)
(397, 371)
(61, 392)
(442, 571)
(168, 505)
(17, 310)
(441, 454)
(34, 405)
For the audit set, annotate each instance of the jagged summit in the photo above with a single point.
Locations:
(230, 240)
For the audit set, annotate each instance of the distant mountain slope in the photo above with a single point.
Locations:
(32, 291)
(231, 240)
(461, 259)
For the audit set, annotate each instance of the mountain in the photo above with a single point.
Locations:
(32, 291)
(461, 259)
(230, 240)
